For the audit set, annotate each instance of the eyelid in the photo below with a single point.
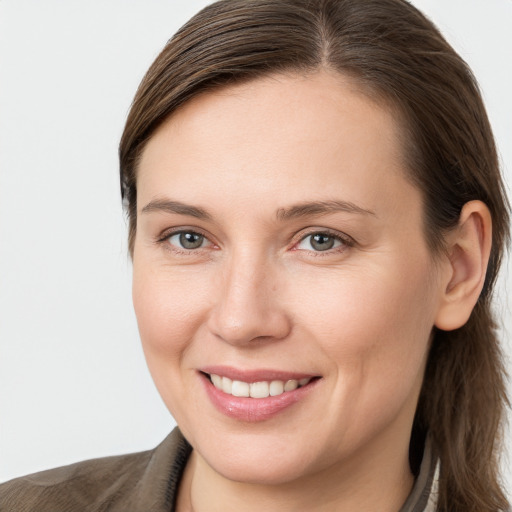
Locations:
(164, 236)
(346, 240)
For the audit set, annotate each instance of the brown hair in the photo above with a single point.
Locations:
(397, 55)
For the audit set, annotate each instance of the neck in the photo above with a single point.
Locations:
(379, 479)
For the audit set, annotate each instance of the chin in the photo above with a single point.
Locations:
(258, 472)
(257, 458)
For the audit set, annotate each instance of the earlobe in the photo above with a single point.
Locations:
(468, 250)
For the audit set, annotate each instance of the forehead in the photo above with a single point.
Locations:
(286, 133)
(299, 100)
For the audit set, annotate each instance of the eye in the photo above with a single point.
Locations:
(320, 242)
(189, 240)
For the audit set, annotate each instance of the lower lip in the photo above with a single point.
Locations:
(254, 409)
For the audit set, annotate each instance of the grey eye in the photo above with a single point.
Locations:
(319, 242)
(187, 240)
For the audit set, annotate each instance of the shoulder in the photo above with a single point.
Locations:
(122, 482)
(77, 485)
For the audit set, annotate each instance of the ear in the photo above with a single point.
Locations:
(467, 255)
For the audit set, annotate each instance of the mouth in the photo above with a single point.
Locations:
(253, 396)
(259, 389)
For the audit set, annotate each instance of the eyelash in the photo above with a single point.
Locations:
(164, 240)
(344, 240)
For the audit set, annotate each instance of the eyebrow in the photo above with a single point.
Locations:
(168, 206)
(312, 208)
(321, 208)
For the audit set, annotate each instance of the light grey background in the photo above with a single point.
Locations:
(73, 381)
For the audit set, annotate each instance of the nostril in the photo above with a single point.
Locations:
(251, 328)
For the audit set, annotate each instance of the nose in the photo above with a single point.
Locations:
(249, 307)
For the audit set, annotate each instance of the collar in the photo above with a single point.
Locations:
(423, 497)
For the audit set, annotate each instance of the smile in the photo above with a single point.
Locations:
(262, 389)
(255, 395)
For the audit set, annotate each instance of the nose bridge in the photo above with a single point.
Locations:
(248, 305)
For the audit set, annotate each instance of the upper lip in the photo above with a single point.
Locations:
(256, 375)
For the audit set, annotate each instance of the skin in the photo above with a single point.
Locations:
(257, 295)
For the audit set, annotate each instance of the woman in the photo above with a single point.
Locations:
(316, 223)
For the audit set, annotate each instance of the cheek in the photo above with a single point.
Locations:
(169, 306)
(359, 311)
(170, 309)
(374, 328)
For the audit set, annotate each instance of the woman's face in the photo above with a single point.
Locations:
(278, 241)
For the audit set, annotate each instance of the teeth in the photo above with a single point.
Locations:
(240, 388)
(227, 385)
(276, 387)
(256, 389)
(259, 390)
(217, 381)
(291, 385)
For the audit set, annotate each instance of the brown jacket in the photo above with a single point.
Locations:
(138, 482)
(142, 482)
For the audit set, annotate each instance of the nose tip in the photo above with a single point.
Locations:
(249, 309)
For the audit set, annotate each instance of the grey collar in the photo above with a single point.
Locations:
(423, 497)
